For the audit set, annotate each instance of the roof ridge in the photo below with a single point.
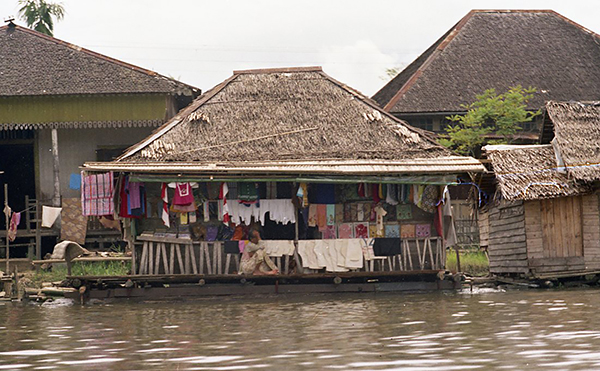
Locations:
(94, 54)
(279, 70)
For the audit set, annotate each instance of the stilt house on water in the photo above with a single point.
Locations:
(547, 222)
(62, 105)
(337, 187)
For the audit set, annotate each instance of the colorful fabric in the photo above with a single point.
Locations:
(321, 216)
(330, 214)
(348, 212)
(375, 193)
(97, 194)
(392, 230)
(423, 230)
(430, 198)
(345, 230)
(392, 194)
(407, 231)
(361, 230)
(404, 212)
(329, 233)
(312, 215)
(183, 194)
(15, 219)
(247, 191)
(164, 195)
(339, 213)
(223, 196)
(380, 212)
(360, 212)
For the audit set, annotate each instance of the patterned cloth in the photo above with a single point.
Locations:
(407, 231)
(361, 230)
(392, 230)
(423, 230)
(97, 194)
(73, 222)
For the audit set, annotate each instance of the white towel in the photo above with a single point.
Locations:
(354, 255)
(277, 248)
(306, 250)
(49, 215)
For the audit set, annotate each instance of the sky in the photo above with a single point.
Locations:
(201, 42)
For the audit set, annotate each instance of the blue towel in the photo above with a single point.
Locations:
(75, 181)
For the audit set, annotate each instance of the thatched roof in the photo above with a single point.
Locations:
(499, 49)
(286, 117)
(577, 136)
(32, 63)
(530, 172)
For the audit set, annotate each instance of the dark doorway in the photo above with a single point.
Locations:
(17, 162)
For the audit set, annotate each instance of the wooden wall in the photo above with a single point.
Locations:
(484, 228)
(591, 231)
(507, 244)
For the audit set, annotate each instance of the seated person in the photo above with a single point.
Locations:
(255, 260)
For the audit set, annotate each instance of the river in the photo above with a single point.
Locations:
(483, 329)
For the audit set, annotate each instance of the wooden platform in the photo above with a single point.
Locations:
(172, 287)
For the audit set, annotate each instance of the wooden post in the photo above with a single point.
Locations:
(457, 259)
(7, 227)
(38, 231)
(56, 197)
(299, 268)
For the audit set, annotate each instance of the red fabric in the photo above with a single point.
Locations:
(375, 191)
(183, 194)
(438, 220)
(361, 190)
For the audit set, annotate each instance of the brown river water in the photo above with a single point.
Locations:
(483, 329)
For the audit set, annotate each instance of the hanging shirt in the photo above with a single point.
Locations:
(183, 194)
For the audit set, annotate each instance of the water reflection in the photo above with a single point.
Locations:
(482, 329)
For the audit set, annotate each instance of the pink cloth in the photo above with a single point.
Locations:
(329, 233)
(183, 194)
(133, 188)
(345, 230)
(97, 194)
(15, 219)
(361, 230)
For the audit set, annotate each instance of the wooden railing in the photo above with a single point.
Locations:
(169, 256)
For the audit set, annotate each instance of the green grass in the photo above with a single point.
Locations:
(59, 273)
(473, 262)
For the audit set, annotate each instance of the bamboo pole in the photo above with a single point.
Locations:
(56, 197)
(7, 228)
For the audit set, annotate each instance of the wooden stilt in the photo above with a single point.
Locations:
(227, 261)
(157, 261)
(201, 267)
(430, 253)
(172, 259)
(150, 257)
(186, 265)
(144, 260)
(193, 258)
(207, 256)
(163, 248)
(179, 258)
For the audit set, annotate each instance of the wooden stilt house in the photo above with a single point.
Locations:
(546, 221)
(278, 130)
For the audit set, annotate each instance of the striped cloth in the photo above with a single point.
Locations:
(97, 194)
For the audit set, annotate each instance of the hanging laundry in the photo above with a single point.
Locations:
(361, 190)
(345, 230)
(430, 198)
(360, 212)
(183, 194)
(361, 230)
(330, 214)
(302, 193)
(206, 211)
(407, 231)
(192, 217)
(15, 219)
(380, 212)
(312, 215)
(183, 218)
(348, 212)
(247, 191)
(375, 193)
(339, 213)
(133, 190)
(323, 193)
(49, 215)
(165, 205)
(223, 197)
(321, 216)
(404, 212)
(329, 233)
(97, 194)
(392, 230)
(423, 230)
(392, 194)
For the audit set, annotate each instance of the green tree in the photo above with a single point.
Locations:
(492, 119)
(38, 15)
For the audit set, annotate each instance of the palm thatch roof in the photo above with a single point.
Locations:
(577, 136)
(499, 49)
(529, 172)
(287, 118)
(34, 64)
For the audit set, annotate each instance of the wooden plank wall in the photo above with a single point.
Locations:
(507, 240)
(484, 228)
(591, 231)
(557, 236)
